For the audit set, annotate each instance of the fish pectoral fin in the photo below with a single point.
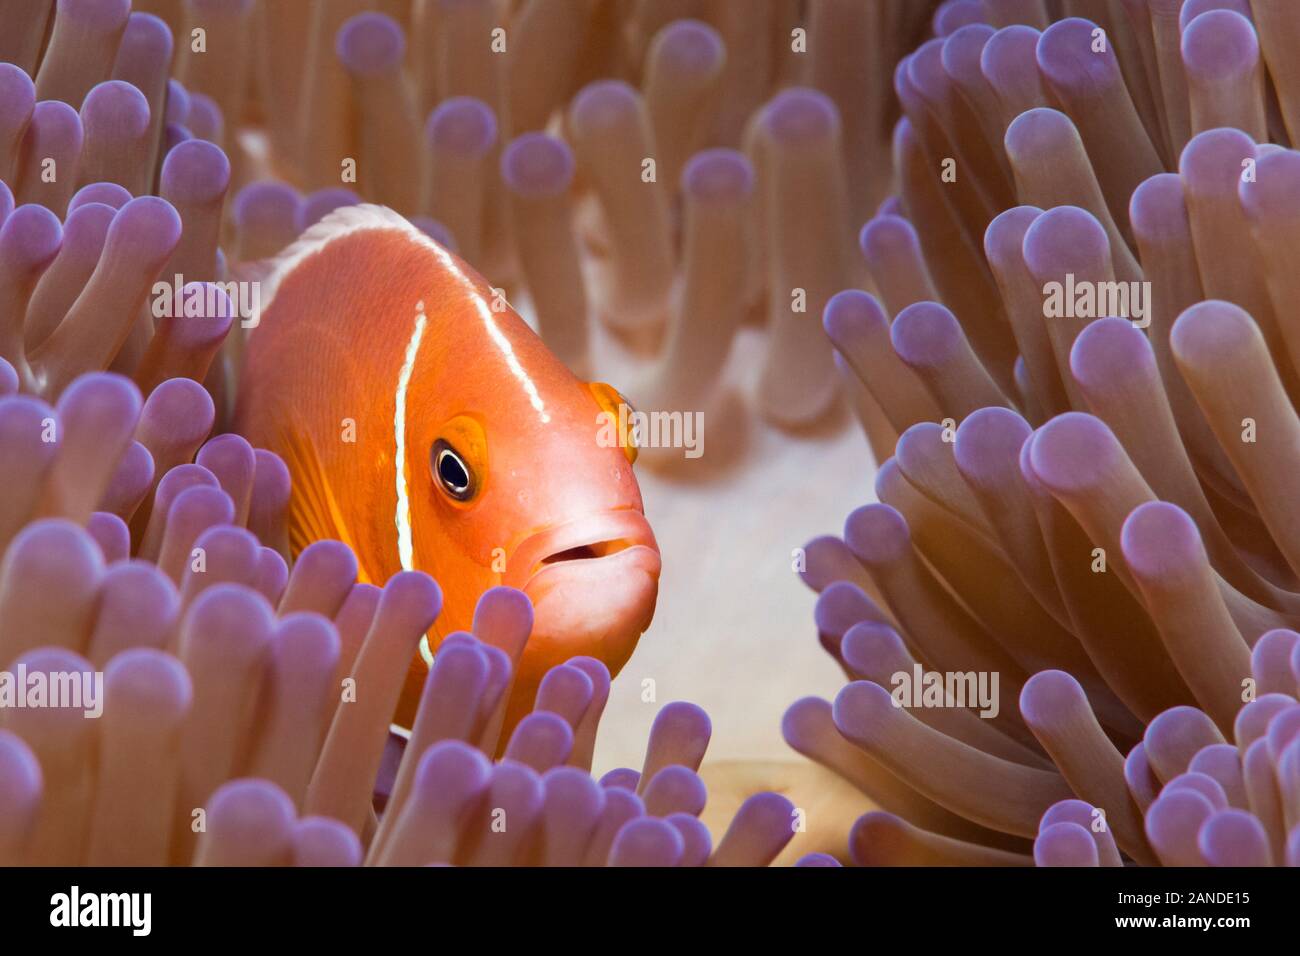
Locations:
(314, 512)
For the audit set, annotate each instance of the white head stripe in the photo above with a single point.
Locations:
(349, 219)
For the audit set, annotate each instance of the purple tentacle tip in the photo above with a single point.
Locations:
(801, 116)
(195, 171)
(30, 237)
(537, 165)
(690, 46)
(462, 125)
(370, 43)
(647, 842)
(1065, 844)
(603, 103)
(116, 110)
(718, 175)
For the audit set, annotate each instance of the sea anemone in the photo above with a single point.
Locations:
(245, 706)
(176, 143)
(1080, 340)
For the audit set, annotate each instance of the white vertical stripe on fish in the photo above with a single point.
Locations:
(405, 544)
(405, 541)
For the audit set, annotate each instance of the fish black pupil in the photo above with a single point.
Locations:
(452, 472)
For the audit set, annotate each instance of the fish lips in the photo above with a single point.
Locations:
(593, 584)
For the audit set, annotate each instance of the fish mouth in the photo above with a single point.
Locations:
(593, 583)
(598, 537)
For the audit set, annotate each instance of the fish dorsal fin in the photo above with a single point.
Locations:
(314, 512)
(343, 221)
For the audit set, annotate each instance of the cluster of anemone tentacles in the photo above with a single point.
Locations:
(1091, 498)
(244, 714)
(246, 697)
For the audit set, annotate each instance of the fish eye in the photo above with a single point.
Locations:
(451, 472)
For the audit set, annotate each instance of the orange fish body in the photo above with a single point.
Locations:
(431, 431)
